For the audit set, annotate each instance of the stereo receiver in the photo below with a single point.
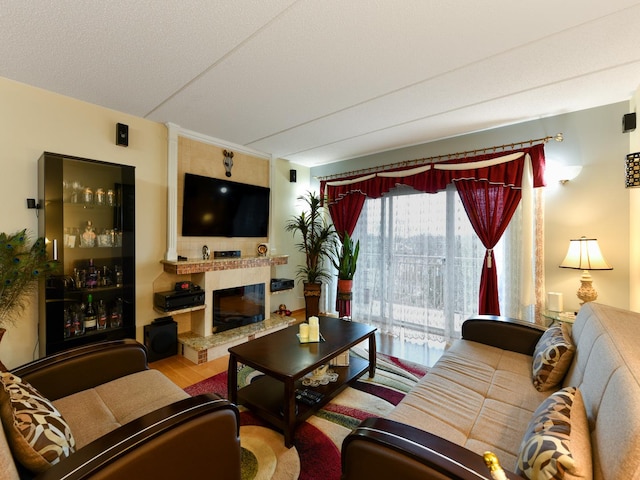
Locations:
(174, 300)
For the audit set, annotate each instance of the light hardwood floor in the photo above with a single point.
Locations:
(184, 373)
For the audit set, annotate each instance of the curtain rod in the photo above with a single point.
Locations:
(450, 156)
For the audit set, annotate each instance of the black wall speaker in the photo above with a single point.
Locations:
(161, 339)
(293, 176)
(122, 134)
(628, 122)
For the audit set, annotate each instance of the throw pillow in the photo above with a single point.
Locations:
(38, 435)
(552, 357)
(556, 444)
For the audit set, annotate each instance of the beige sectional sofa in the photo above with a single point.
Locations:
(480, 396)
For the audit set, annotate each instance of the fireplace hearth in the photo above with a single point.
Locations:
(238, 306)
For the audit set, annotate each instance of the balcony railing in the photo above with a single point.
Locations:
(423, 291)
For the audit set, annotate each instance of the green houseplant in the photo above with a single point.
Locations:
(317, 236)
(21, 266)
(345, 258)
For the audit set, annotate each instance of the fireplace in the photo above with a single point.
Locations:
(238, 306)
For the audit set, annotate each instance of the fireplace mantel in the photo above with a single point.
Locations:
(187, 267)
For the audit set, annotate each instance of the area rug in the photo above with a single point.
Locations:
(317, 442)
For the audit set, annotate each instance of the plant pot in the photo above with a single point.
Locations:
(345, 286)
(312, 293)
(343, 299)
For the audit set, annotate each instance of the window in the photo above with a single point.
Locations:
(420, 263)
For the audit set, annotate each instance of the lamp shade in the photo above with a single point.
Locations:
(584, 254)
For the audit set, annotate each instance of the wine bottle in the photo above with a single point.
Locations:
(90, 317)
(78, 320)
(68, 322)
(92, 275)
(102, 315)
(116, 314)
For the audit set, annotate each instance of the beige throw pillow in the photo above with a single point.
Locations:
(556, 444)
(38, 435)
(552, 357)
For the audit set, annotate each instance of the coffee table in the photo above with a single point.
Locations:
(284, 361)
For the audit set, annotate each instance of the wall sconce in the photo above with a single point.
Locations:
(562, 173)
(632, 170)
(584, 254)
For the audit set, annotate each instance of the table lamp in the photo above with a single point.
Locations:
(584, 254)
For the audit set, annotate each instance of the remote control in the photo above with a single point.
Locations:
(308, 397)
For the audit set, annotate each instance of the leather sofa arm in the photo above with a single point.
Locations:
(81, 368)
(183, 440)
(503, 332)
(381, 449)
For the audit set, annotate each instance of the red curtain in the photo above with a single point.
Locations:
(345, 213)
(489, 208)
(489, 186)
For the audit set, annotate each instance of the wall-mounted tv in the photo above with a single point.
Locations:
(214, 207)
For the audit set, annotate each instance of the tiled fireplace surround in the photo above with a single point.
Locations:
(199, 344)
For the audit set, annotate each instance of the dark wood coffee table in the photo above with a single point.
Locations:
(284, 361)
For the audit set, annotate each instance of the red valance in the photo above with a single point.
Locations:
(503, 168)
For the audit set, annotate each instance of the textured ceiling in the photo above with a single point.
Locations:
(319, 81)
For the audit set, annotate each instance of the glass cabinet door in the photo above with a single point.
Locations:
(88, 222)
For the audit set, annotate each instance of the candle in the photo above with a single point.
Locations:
(304, 332)
(314, 333)
(313, 320)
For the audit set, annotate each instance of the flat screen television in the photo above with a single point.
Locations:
(214, 207)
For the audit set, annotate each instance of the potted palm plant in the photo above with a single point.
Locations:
(21, 266)
(316, 238)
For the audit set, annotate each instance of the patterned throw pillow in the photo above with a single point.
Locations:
(552, 357)
(556, 444)
(38, 435)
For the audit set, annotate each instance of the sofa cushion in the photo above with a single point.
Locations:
(556, 444)
(552, 357)
(94, 412)
(38, 435)
(478, 396)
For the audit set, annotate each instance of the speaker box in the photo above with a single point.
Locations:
(161, 339)
(122, 134)
(628, 122)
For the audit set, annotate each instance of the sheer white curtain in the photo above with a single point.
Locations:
(420, 261)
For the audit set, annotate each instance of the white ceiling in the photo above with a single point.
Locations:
(318, 81)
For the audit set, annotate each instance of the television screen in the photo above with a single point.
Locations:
(214, 207)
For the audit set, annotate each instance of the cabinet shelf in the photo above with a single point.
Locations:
(179, 311)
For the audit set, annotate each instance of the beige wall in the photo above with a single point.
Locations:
(284, 206)
(33, 121)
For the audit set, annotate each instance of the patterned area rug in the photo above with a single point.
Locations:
(317, 442)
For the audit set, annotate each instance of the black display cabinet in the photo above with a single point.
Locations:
(87, 217)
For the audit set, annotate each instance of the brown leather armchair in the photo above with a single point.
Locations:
(190, 437)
